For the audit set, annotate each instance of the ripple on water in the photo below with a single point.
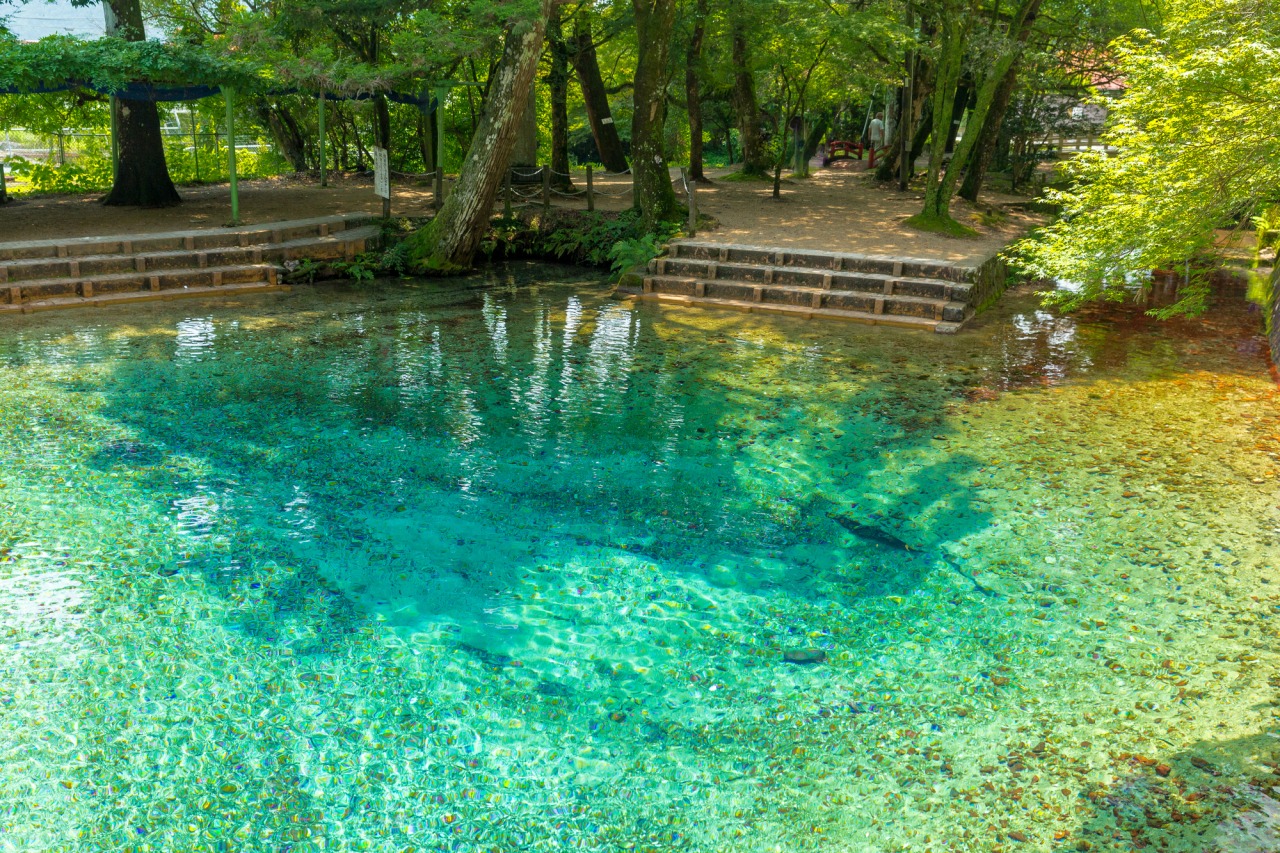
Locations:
(517, 569)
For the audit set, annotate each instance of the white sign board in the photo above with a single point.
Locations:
(381, 173)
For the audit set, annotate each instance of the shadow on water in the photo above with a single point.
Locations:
(483, 436)
(1214, 797)
(334, 458)
(460, 438)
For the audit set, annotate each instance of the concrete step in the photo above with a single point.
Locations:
(903, 267)
(342, 244)
(817, 278)
(104, 299)
(159, 281)
(809, 298)
(804, 312)
(202, 239)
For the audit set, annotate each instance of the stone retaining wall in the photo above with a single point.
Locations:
(990, 279)
(1275, 316)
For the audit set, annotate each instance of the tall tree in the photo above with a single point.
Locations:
(1197, 139)
(654, 196)
(745, 106)
(449, 242)
(955, 26)
(558, 86)
(142, 176)
(693, 89)
(594, 95)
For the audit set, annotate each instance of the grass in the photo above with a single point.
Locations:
(939, 225)
(744, 177)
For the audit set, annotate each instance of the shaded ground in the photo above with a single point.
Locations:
(836, 209)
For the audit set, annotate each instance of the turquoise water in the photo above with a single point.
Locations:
(516, 568)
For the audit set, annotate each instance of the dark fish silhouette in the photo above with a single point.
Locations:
(880, 537)
(871, 534)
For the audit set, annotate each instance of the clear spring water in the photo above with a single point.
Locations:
(516, 568)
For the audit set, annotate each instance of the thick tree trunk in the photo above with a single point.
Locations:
(449, 242)
(654, 196)
(594, 96)
(985, 148)
(746, 107)
(142, 177)
(558, 83)
(525, 154)
(693, 91)
(284, 129)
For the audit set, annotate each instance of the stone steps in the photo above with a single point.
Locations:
(43, 274)
(917, 293)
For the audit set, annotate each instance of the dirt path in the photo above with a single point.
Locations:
(836, 209)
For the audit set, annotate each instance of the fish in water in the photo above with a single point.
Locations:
(880, 537)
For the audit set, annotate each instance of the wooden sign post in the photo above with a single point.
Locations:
(382, 179)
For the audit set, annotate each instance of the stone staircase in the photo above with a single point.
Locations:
(38, 275)
(914, 293)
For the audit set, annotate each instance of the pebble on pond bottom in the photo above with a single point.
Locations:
(525, 568)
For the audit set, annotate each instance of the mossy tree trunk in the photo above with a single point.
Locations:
(654, 196)
(941, 183)
(745, 105)
(985, 148)
(449, 242)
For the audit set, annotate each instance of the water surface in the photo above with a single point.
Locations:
(515, 568)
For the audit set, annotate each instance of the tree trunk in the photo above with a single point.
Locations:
(558, 83)
(693, 91)
(746, 107)
(821, 124)
(525, 155)
(984, 149)
(950, 56)
(142, 177)
(964, 92)
(654, 196)
(382, 122)
(594, 96)
(449, 242)
(938, 193)
(284, 129)
(426, 147)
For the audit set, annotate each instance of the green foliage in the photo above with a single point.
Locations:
(634, 251)
(110, 63)
(88, 174)
(1199, 150)
(572, 236)
(360, 269)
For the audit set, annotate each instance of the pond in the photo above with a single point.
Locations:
(516, 566)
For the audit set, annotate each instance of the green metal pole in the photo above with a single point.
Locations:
(231, 154)
(115, 140)
(324, 174)
(195, 139)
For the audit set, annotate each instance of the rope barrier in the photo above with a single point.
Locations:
(535, 173)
